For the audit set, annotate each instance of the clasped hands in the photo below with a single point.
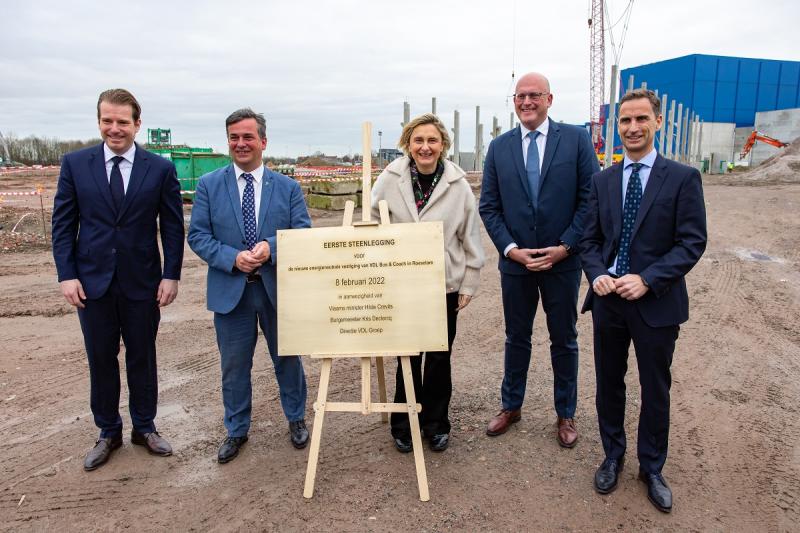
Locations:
(249, 260)
(629, 286)
(74, 295)
(538, 259)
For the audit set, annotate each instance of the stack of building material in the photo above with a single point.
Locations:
(333, 194)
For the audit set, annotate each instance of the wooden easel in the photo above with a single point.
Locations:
(366, 405)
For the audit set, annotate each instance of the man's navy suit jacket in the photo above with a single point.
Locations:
(216, 232)
(669, 236)
(92, 241)
(505, 207)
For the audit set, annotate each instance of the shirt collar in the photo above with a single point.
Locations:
(543, 128)
(128, 155)
(648, 160)
(257, 174)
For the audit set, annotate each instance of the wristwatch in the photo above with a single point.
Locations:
(566, 246)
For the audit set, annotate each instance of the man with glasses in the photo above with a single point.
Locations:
(533, 200)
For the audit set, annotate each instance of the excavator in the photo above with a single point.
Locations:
(758, 136)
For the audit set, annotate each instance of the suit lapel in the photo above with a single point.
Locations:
(233, 192)
(138, 173)
(553, 136)
(97, 167)
(654, 182)
(266, 197)
(516, 156)
(615, 199)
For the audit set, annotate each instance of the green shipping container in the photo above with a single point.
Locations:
(193, 163)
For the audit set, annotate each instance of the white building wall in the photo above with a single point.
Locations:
(783, 125)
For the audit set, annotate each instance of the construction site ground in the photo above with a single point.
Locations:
(734, 462)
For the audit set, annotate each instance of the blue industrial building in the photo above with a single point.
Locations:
(721, 88)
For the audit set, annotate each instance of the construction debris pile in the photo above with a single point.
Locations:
(783, 167)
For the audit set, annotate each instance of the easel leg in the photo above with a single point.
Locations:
(416, 437)
(381, 386)
(316, 435)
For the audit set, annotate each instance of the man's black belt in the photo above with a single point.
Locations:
(252, 277)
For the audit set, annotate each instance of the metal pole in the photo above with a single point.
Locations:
(612, 117)
(433, 105)
(663, 134)
(456, 138)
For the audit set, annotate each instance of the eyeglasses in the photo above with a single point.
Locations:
(533, 97)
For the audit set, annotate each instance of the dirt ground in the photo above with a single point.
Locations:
(734, 462)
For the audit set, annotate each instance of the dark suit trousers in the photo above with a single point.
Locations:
(103, 321)
(617, 322)
(433, 388)
(559, 292)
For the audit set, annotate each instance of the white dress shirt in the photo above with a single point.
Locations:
(541, 142)
(125, 166)
(258, 175)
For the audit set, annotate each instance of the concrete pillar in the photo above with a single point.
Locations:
(684, 134)
(644, 85)
(456, 138)
(495, 128)
(478, 137)
(612, 118)
(662, 147)
(630, 83)
(511, 124)
(676, 153)
(670, 132)
(406, 114)
(479, 155)
(433, 105)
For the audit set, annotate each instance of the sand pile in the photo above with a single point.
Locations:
(783, 167)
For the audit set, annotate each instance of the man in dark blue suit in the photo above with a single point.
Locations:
(645, 229)
(111, 202)
(533, 201)
(237, 211)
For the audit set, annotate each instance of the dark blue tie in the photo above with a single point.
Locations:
(249, 211)
(532, 167)
(116, 184)
(633, 197)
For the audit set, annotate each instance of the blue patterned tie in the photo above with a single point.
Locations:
(249, 211)
(532, 166)
(633, 197)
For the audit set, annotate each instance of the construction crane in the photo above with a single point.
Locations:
(758, 136)
(597, 71)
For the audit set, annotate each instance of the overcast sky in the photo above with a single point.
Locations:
(317, 70)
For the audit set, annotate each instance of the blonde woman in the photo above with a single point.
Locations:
(423, 186)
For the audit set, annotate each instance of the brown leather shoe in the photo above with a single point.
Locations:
(98, 455)
(155, 443)
(500, 422)
(567, 432)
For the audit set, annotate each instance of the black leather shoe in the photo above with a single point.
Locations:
(658, 492)
(607, 476)
(299, 434)
(98, 455)
(440, 442)
(229, 448)
(403, 445)
(155, 443)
